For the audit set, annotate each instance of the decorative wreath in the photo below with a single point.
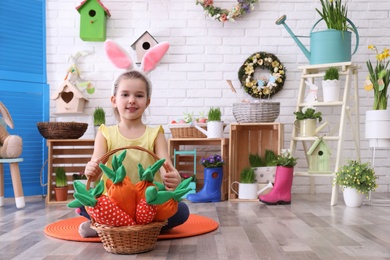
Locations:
(223, 15)
(263, 87)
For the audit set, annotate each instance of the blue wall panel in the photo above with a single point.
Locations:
(23, 85)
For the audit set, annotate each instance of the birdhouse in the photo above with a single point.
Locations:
(69, 99)
(93, 20)
(143, 44)
(319, 157)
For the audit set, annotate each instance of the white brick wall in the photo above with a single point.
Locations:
(205, 53)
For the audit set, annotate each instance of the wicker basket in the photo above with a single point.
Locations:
(128, 239)
(187, 131)
(256, 112)
(62, 130)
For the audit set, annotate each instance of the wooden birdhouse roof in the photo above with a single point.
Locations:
(142, 36)
(98, 1)
(317, 143)
(75, 90)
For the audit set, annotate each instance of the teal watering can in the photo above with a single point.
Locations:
(328, 46)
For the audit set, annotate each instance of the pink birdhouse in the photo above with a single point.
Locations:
(69, 99)
(143, 44)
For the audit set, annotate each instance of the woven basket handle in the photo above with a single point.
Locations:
(105, 157)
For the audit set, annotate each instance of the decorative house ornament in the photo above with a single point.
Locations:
(223, 15)
(74, 75)
(265, 86)
(93, 20)
(69, 99)
(319, 157)
(143, 44)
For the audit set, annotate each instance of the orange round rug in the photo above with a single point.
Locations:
(67, 229)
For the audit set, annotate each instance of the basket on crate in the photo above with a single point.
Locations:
(127, 239)
(187, 130)
(62, 130)
(256, 112)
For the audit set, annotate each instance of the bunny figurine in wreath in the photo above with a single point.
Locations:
(10, 145)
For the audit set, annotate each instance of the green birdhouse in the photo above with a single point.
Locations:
(319, 157)
(93, 20)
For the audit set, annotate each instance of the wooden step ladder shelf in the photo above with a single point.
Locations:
(349, 113)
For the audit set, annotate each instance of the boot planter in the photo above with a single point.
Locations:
(211, 191)
(281, 192)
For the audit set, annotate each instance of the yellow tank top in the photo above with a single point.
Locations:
(116, 140)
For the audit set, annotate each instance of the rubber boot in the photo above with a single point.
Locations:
(211, 191)
(281, 193)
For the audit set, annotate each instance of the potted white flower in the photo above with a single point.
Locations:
(356, 179)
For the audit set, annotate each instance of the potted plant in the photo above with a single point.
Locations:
(81, 177)
(214, 124)
(264, 169)
(331, 85)
(99, 117)
(378, 119)
(356, 179)
(335, 42)
(281, 192)
(61, 185)
(307, 118)
(247, 186)
(213, 174)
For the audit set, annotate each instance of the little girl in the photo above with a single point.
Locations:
(130, 98)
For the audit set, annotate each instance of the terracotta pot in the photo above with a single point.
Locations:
(61, 193)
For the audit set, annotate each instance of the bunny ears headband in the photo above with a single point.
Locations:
(122, 60)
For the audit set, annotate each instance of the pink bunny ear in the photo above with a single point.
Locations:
(153, 56)
(118, 56)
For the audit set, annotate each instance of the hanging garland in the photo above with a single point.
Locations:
(223, 15)
(264, 87)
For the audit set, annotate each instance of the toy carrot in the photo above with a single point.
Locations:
(146, 176)
(166, 201)
(122, 191)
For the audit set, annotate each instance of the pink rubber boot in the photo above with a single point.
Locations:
(281, 193)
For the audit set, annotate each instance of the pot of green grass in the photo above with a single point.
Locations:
(99, 118)
(331, 85)
(214, 124)
(61, 184)
(247, 186)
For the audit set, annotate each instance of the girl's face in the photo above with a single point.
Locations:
(131, 99)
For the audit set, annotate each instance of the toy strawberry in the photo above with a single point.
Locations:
(99, 207)
(145, 212)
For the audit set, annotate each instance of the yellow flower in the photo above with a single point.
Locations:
(371, 47)
(249, 69)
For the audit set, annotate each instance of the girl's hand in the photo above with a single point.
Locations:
(171, 178)
(92, 170)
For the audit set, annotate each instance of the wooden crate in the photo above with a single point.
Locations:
(73, 155)
(251, 138)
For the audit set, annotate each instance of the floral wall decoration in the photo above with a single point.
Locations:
(264, 86)
(223, 15)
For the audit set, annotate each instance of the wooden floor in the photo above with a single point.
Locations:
(309, 228)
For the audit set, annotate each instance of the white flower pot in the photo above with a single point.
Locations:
(377, 128)
(331, 90)
(352, 197)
